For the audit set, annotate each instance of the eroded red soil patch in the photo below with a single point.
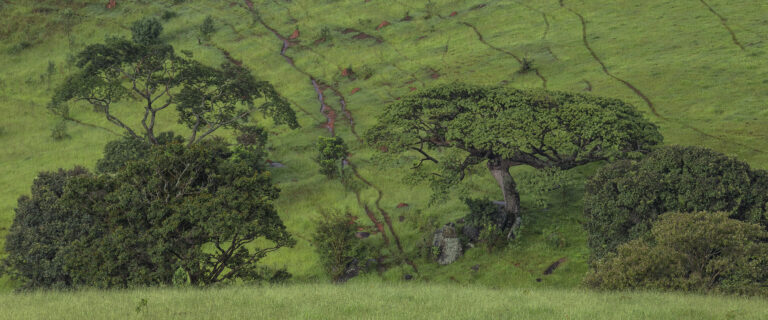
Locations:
(382, 25)
(294, 35)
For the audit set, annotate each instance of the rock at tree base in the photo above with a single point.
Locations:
(446, 240)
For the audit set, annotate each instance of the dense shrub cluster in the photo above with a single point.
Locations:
(484, 224)
(196, 208)
(623, 198)
(698, 251)
(342, 253)
(331, 153)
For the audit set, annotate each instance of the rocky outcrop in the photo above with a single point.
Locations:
(446, 244)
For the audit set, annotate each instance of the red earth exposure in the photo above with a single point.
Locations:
(382, 25)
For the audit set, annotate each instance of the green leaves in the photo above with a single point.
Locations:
(542, 129)
(623, 198)
(146, 31)
(197, 208)
(698, 251)
(147, 72)
(331, 153)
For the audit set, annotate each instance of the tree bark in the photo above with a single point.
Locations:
(499, 169)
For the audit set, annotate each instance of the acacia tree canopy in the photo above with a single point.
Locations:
(147, 72)
(507, 127)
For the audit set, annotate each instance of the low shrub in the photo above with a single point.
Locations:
(168, 15)
(485, 218)
(207, 28)
(700, 252)
(59, 131)
(342, 250)
(526, 65)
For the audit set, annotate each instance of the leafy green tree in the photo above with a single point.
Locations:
(207, 27)
(340, 252)
(146, 74)
(119, 152)
(146, 31)
(506, 127)
(198, 208)
(697, 251)
(42, 230)
(624, 198)
(331, 153)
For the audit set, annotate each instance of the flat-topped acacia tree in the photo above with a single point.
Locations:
(149, 76)
(506, 127)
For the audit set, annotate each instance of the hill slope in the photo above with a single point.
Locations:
(696, 68)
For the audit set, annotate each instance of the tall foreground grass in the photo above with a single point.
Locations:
(374, 301)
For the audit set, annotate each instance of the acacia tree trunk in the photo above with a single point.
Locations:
(499, 169)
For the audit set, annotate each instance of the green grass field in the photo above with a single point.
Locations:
(700, 78)
(375, 301)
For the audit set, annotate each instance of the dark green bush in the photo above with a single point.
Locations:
(196, 207)
(342, 254)
(119, 152)
(168, 15)
(146, 31)
(251, 146)
(19, 47)
(526, 65)
(701, 252)
(623, 198)
(43, 232)
(485, 217)
(208, 27)
(59, 131)
(331, 153)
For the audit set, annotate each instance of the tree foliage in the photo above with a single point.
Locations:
(335, 243)
(145, 74)
(622, 199)
(697, 251)
(506, 127)
(331, 153)
(43, 230)
(198, 208)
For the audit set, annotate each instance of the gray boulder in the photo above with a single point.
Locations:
(447, 244)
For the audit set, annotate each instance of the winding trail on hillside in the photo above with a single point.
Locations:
(637, 91)
(547, 27)
(509, 53)
(403, 57)
(724, 22)
(384, 214)
(330, 114)
(318, 85)
(592, 52)
(327, 111)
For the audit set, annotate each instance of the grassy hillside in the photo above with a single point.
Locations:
(696, 68)
(377, 301)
